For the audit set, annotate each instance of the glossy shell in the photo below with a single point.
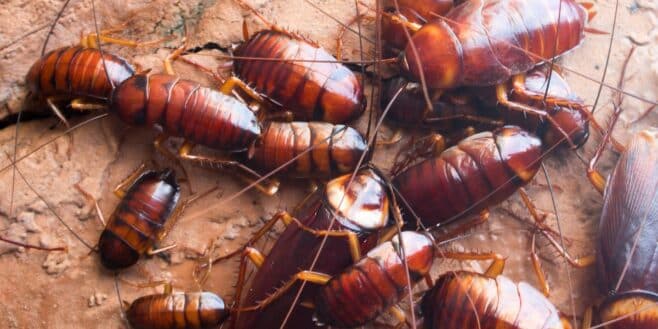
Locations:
(456, 51)
(321, 91)
(480, 171)
(201, 310)
(139, 221)
(461, 300)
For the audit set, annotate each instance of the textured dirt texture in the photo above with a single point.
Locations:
(71, 290)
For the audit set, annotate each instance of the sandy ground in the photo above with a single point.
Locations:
(71, 290)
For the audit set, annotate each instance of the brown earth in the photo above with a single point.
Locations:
(71, 290)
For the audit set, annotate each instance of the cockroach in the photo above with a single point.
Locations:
(480, 171)
(336, 149)
(627, 258)
(81, 74)
(141, 219)
(192, 310)
(479, 107)
(376, 283)
(486, 42)
(298, 75)
(464, 299)
(361, 213)
(186, 109)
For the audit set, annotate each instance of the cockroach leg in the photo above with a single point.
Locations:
(80, 104)
(536, 266)
(244, 172)
(126, 183)
(495, 269)
(501, 95)
(307, 276)
(51, 103)
(91, 201)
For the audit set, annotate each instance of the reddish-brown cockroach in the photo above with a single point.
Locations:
(360, 208)
(479, 107)
(627, 258)
(376, 283)
(186, 109)
(141, 219)
(480, 171)
(486, 42)
(79, 74)
(298, 75)
(196, 310)
(471, 300)
(336, 149)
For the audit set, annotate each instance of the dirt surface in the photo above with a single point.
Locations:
(71, 290)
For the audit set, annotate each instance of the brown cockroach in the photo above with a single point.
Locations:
(376, 283)
(298, 75)
(487, 42)
(471, 300)
(336, 149)
(141, 219)
(195, 310)
(361, 211)
(480, 171)
(627, 258)
(78, 73)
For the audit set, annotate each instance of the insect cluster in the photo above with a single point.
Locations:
(476, 79)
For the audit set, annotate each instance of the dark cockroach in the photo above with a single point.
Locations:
(486, 42)
(196, 310)
(361, 211)
(471, 300)
(480, 171)
(141, 219)
(627, 258)
(78, 74)
(479, 107)
(299, 75)
(336, 149)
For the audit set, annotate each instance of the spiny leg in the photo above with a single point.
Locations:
(244, 172)
(495, 269)
(126, 183)
(92, 201)
(307, 276)
(159, 146)
(51, 103)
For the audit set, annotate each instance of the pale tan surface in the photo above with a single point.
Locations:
(58, 290)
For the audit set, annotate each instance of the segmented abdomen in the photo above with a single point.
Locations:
(471, 300)
(482, 170)
(77, 71)
(485, 42)
(186, 109)
(336, 148)
(138, 222)
(199, 310)
(323, 90)
(377, 282)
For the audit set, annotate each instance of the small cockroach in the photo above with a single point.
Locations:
(336, 149)
(141, 219)
(195, 310)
